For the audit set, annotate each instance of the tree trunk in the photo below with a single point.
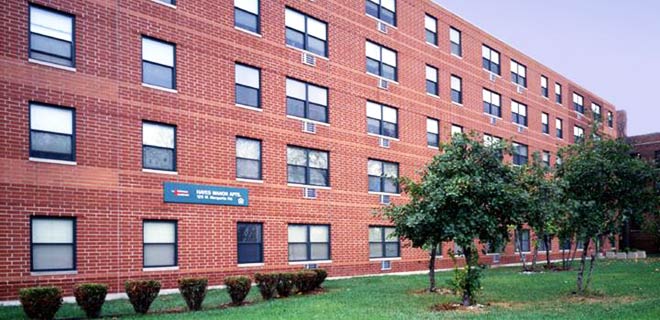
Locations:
(548, 243)
(432, 287)
(591, 269)
(535, 254)
(467, 290)
(580, 275)
(570, 265)
(520, 251)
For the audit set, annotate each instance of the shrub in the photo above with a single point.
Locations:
(285, 284)
(193, 291)
(305, 281)
(238, 288)
(321, 274)
(90, 297)
(267, 283)
(141, 293)
(41, 302)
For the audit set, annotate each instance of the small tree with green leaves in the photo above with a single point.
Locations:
(465, 193)
(604, 187)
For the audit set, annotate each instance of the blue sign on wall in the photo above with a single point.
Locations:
(204, 194)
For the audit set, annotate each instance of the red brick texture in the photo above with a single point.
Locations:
(110, 195)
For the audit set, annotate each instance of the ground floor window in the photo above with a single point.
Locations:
(159, 243)
(250, 243)
(545, 243)
(309, 242)
(53, 244)
(522, 240)
(383, 243)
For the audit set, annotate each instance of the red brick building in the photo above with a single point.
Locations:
(307, 110)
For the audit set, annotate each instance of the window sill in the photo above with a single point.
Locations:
(153, 269)
(250, 265)
(53, 161)
(308, 52)
(249, 180)
(248, 32)
(173, 173)
(308, 120)
(432, 147)
(159, 88)
(383, 137)
(457, 104)
(457, 56)
(385, 193)
(493, 73)
(432, 44)
(295, 263)
(559, 104)
(296, 185)
(53, 273)
(249, 107)
(492, 116)
(544, 97)
(382, 78)
(53, 65)
(385, 259)
(372, 17)
(519, 125)
(164, 4)
(433, 95)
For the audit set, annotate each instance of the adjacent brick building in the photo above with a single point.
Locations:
(306, 109)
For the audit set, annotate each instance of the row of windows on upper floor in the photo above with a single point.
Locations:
(52, 41)
(53, 243)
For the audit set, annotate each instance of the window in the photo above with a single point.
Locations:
(522, 236)
(383, 243)
(565, 244)
(578, 134)
(431, 80)
(578, 103)
(490, 140)
(248, 158)
(306, 100)
(52, 132)
(438, 250)
(544, 86)
(595, 109)
(456, 129)
(559, 126)
(519, 154)
(248, 85)
(307, 166)
(384, 10)
(52, 244)
(52, 36)
(158, 63)
(456, 89)
(383, 176)
(491, 59)
(172, 2)
(492, 103)
(309, 242)
(158, 146)
(545, 243)
(490, 248)
(431, 29)
(382, 120)
(306, 33)
(432, 132)
(458, 250)
(381, 61)
(546, 159)
(610, 119)
(159, 244)
(518, 74)
(518, 113)
(545, 126)
(558, 97)
(246, 15)
(455, 41)
(250, 242)
(558, 161)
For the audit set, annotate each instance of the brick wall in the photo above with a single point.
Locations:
(110, 195)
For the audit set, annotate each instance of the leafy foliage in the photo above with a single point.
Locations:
(90, 297)
(305, 281)
(193, 291)
(321, 274)
(285, 284)
(41, 302)
(238, 288)
(142, 293)
(267, 283)
(466, 278)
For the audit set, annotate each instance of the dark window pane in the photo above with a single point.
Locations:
(296, 174)
(389, 129)
(373, 66)
(295, 107)
(318, 177)
(390, 186)
(247, 96)
(56, 47)
(157, 75)
(372, 9)
(387, 16)
(374, 184)
(432, 139)
(249, 253)
(158, 158)
(320, 251)
(376, 250)
(392, 249)
(248, 169)
(389, 72)
(431, 37)
(431, 87)
(373, 126)
(456, 96)
(245, 20)
(249, 232)
(297, 251)
(456, 49)
(295, 38)
(316, 46)
(51, 142)
(317, 112)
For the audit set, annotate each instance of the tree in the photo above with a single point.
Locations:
(604, 186)
(465, 193)
(544, 204)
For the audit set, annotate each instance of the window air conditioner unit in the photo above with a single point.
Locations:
(521, 129)
(383, 84)
(384, 142)
(382, 27)
(520, 89)
(493, 120)
(579, 115)
(386, 265)
(309, 193)
(311, 266)
(384, 199)
(308, 59)
(492, 76)
(309, 127)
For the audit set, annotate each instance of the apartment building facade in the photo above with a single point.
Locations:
(160, 139)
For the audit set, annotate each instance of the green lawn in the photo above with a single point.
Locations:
(631, 290)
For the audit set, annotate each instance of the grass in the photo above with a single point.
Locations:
(624, 290)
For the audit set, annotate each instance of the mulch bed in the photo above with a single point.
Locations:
(443, 307)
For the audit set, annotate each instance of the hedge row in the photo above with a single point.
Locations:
(43, 302)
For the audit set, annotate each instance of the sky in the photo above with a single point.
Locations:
(610, 47)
